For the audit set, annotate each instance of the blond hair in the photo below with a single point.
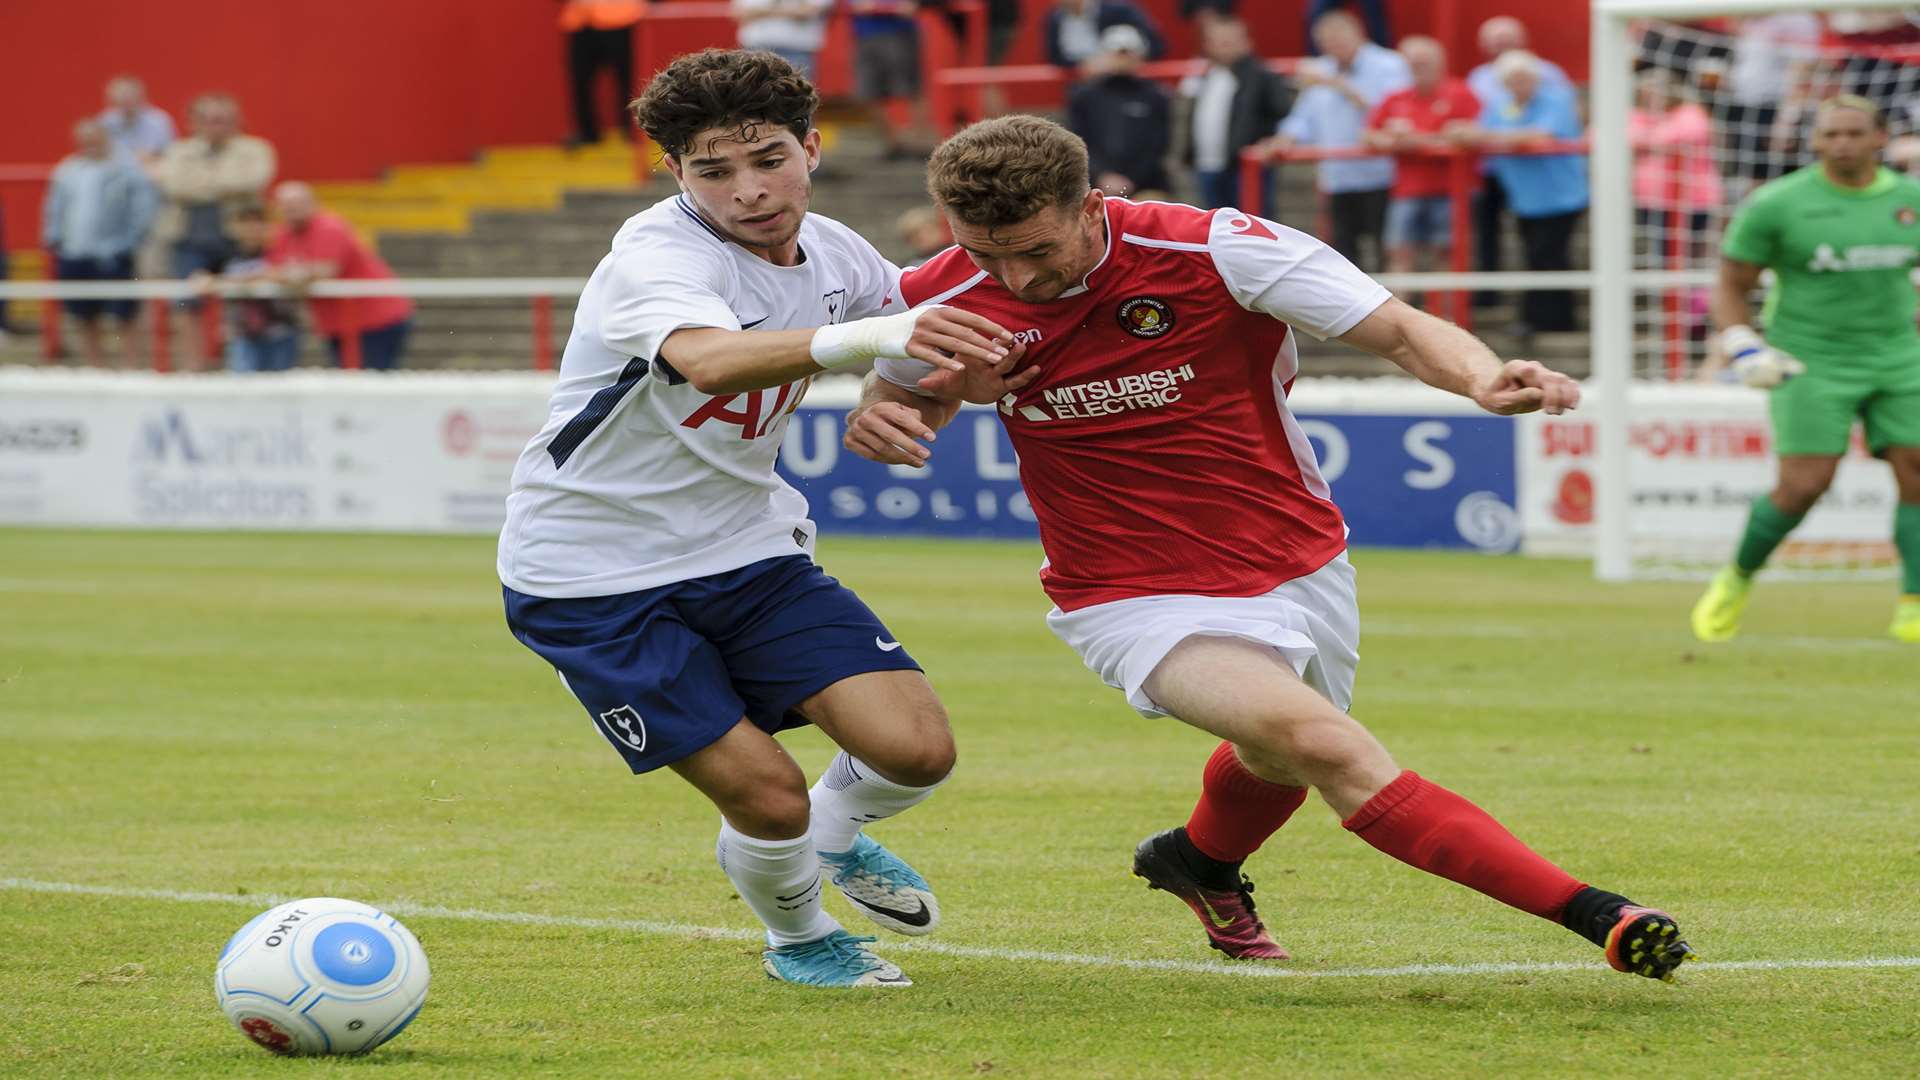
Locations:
(1857, 104)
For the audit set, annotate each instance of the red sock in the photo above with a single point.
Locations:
(1237, 810)
(1426, 826)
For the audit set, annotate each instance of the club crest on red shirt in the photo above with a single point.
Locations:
(1146, 316)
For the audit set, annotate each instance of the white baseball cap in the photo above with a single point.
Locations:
(1123, 38)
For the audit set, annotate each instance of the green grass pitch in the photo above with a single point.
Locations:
(192, 723)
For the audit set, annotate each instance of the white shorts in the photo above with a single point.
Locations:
(1314, 622)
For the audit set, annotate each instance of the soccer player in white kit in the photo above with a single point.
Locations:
(1195, 557)
(653, 556)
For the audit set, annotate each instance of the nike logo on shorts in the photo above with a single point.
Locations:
(886, 646)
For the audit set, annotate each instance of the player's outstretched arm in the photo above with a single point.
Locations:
(1735, 283)
(1752, 360)
(718, 361)
(892, 424)
(1441, 354)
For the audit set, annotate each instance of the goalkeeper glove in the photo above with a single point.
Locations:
(1754, 362)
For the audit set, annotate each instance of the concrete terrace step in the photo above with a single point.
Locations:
(540, 227)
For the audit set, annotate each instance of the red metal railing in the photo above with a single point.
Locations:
(1463, 179)
(161, 300)
(1675, 214)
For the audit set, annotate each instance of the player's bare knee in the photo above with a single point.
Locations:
(776, 813)
(933, 754)
(1799, 497)
(923, 762)
(1317, 754)
(928, 768)
(766, 800)
(1331, 750)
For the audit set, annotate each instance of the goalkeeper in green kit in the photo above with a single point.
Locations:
(1841, 237)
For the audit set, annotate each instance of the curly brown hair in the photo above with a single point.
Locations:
(734, 89)
(1001, 172)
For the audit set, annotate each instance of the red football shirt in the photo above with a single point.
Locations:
(1157, 449)
(328, 238)
(1427, 114)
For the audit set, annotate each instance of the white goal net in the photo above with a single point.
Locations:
(1693, 106)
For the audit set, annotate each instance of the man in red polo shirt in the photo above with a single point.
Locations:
(311, 245)
(1420, 118)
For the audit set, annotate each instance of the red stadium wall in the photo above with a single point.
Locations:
(342, 87)
(345, 88)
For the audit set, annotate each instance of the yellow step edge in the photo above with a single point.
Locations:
(442, 219)
(440, 197)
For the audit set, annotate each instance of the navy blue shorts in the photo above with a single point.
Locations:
(114, 268)
(665, 672)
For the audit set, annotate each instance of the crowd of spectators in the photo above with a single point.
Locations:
(1386, 131)
(1389, 209)
(1387, 127)
(135, 201)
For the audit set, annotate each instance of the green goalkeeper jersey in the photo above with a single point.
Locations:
(1841, 257)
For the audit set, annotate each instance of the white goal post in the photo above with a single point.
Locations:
(1618, 34)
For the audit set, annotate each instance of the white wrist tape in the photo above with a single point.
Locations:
(1740, 340)
(1754, 362)
(839, 344)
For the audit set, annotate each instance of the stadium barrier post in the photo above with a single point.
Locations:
(543, 333)
(210, 312)
(1461, 175)
(1674, 300)
(50, 312)
(1611, 240)
(1252, 193)
(160, 311)
(974, 51)
(940, 52)
(50, 322)
(349, 336)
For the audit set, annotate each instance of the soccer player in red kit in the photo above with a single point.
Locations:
(1194, 556)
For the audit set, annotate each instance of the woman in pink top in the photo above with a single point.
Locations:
(1676, 182)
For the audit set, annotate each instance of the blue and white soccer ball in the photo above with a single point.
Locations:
(321, 976)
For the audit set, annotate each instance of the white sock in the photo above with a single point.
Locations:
(780, 881)
(849, 795)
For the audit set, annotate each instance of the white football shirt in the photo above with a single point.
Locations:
(639, 480)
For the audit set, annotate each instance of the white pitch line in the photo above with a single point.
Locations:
(972, 952)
